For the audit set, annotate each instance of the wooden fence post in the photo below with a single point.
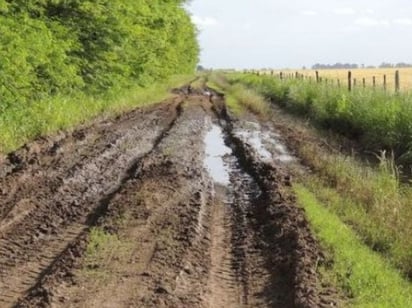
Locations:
(317, 76)
(374, 81)
(339, 83)
(281, 76)
(397, 81)
(364, 82)
(350, 81)
(384, 82)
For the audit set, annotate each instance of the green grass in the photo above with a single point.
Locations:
(378, 120)
(371, 199)
(238, 97)
(20, 124)
(365, 277)
(103, 254)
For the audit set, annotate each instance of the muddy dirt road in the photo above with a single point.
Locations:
(197, 201)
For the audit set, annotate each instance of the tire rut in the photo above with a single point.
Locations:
(32, 242)
(191, 241)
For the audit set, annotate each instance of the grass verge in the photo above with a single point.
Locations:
(238, 97)
(21, 124)
(364, 275)
(372, 200)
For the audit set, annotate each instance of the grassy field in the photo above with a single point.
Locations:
(342, 74)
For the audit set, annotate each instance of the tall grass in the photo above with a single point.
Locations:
(22, 123)
(379, 120)
(238, 97)
(371, 200)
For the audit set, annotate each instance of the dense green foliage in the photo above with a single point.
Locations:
(63, 47)
(378, 120)
(63, 62)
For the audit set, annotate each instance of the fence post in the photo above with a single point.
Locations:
(397, 81)
(374, 81)
(350, 81)
(364, 82)
(354, 82)
(384, 82)
(296, 75)
(281, 76)
(339, 83)
(317, 76)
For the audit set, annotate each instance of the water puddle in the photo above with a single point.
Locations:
(216, 150)
(267, 144)
(255, 141)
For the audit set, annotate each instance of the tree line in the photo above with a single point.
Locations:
(63, 47)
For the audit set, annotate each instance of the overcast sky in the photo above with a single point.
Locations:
(296, 33)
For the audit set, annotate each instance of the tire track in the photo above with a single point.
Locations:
(29, 246)
(223, 284)
(194, 243)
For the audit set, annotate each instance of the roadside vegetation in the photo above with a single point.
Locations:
(239, 98)
(378, 120)
(67, 61)
(364, 276)
(19, 125)
(368, 200)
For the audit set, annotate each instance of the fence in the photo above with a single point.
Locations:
(350, 81)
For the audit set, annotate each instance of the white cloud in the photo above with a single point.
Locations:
(344, 11)
(370, 12)
(309, 13)
(371, 22)
(403, 21)
(204, 22)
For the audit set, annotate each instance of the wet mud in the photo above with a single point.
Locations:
(197, 200)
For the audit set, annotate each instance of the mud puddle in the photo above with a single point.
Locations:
(215, 152)
(201, 209)
(234, 194)
(265, 142)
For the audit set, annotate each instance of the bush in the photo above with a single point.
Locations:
(55, 47)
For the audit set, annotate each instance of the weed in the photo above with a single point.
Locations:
(104, 250)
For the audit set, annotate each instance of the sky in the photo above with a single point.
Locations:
(296, 33)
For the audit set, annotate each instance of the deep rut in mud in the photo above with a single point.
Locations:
(202, 215)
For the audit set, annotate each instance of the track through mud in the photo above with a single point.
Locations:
(187, 237)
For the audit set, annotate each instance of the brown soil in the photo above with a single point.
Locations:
(182, 240)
